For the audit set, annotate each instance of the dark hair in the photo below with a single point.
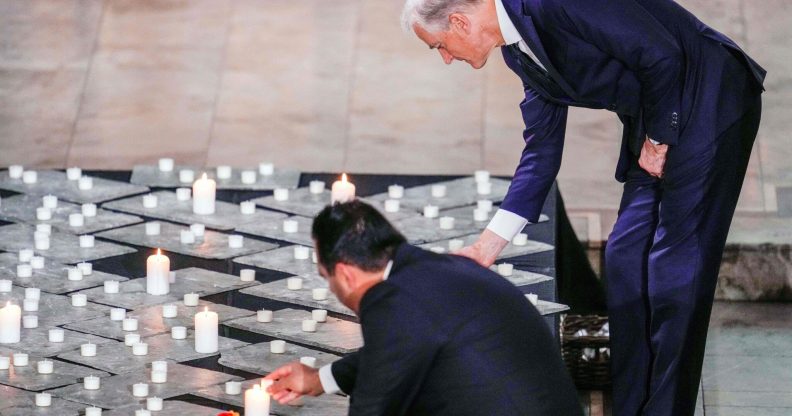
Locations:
(354, 233)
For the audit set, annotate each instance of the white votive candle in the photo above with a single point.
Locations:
(117, 314)
(319, 293)
(129, 324)
(150, 201)
(186, 237)
(73, 173)
(437, 249)
(290, 226)
(319, 315)
(131, 339)
(247, 207)
(169, 310)
(37, 262)
(264, 316)
(316, 187)
(141, 348)
(56, 335)
(248, 177)
(266, 168)
(233, 388)
(45, 367)
(29, 177)
(446, 223)
(44, 228)
(247, 275)
(86, 268)
(190, 299)
(142, 412)
(165, 164)
(505, 269)
(87, 241)
(439, 191)
(49, 201)
(203, 192)
(15, 171)
(484, 188)
(88, 350)
(140, 390)
(20, 359)
(79, 300)
(93, 411)
(5, 285)
(198, 230)
(43, 214)
(5, 363)
(301, 253)
(88, 210)
(32, 293)
(183, 194)
(179, 332)
(236, 241)
(533, 298)
(223, 172)
(159, 377)
(30, 305)
(280, 194)
(24, 270)
(85, 183)
(431, 211)
(342, 190)
(206, 337)
(482, 176)
(308, 361)
(484, 204)
(152, 228)
(396, 191)
(314, 257)
(159, 365)
(111, 286)
(186, 176)
(456, 244)
(91, 383)
(392, 205)
(520, 239)
(480, 215)
(294, 283)
(42, 244)
(309, 325)
(154, 404)
(25, 255)
(43, 399)
(30, 321)
(278, 346)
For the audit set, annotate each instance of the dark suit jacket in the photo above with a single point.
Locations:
(650, 61)
(444, 336)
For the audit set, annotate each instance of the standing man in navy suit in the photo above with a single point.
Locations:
(442, 335)
(690, 102)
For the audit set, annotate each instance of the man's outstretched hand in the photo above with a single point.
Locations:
(485, 250)
(293, 381)
(653, 158)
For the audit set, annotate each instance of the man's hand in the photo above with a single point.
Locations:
(653, 158)
(485, 250)
(292, 381)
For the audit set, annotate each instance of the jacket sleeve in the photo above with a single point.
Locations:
(626, 31)
(545, 127)
(345, 372)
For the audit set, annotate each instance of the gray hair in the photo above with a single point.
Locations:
(432, 15)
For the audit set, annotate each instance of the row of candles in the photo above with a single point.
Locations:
(30, 177)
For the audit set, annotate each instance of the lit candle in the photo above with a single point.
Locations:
(140, 390)
(166, 164)
(309, 325)
(190, 299)
(204, 196)
(186, 176)
(257, 402)
(88, 350)
(91, 383)
(183, 194)
(87, 241)
(281, 194)
(396, 191)
(431, 211)
(206, 337)
(111, 286)
(319, 293)
(266, 169)
(5, 285)
(10, 324)
(319, 315)
(43, 399)
(169, 311)
(223, 172)
(308, 361)
(79, 299)
(45, 367)
(179, 332)
(439, 191)
(520, 239)
(248, 177)
(264, 316)
(157, 270)
(117, 314)
(316, 187)
(247, 275)
(85, 183)
(30, 321)
(232, 388)
(20, 359)
(294, 283)
(56, 335)
(343, 191)
(278, 346)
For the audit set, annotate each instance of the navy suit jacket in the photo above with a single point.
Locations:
(650, 61)
(445, 336)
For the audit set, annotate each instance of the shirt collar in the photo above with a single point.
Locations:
(508, 30)
(387, 270)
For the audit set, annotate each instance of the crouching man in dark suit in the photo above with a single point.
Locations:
(443, 335)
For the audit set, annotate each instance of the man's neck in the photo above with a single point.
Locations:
(369, 280)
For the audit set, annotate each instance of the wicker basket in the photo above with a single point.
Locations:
(587, 356)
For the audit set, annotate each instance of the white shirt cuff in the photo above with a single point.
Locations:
(329, 384)
(506, 224)
(654, 142)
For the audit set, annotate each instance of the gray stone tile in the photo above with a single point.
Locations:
(213, 246)
(117, 358)
(150, 175)
(282, 260)
(28, 378)
(53, 278)
(715, 398)
(258, 359)
(55, 310)
(509, 251)
(227, 216)
(747, 373)
(116, 391)
(325, 405)
(132, 294)
(747, 411)
(169, 408)
(22, 208)
(36, 342)
(278, 291)
(334, 335)
(421, 230)
(17, 402)
(64, 247)
(51, 182)
(274, 230)
(459, 192)
(749, 341)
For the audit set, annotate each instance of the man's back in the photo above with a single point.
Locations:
(445, 336)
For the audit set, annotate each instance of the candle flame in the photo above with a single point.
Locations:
(203, 177)
(206, 309)
(344, 177)
(159, 252)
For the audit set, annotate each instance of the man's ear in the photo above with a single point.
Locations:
(459, 23)
(344, 273)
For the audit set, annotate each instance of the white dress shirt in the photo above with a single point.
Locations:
(329, 384)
